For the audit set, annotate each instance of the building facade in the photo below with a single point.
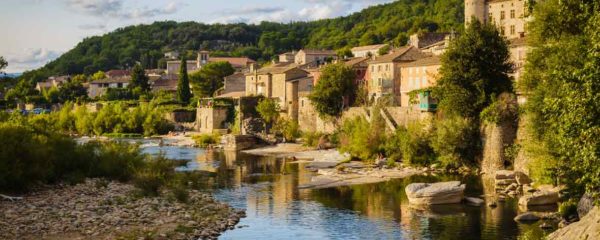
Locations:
(306, 56)
(418, 75)
(367, 51)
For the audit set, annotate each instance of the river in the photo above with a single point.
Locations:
(276, 209)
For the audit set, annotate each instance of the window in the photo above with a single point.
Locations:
(501, 15)
(490, 17)
(387, 67)
(512, 14)
(372, 68)
(379, 68)
(380, 82)
(502, 30)
(512, 30)
(119, 85)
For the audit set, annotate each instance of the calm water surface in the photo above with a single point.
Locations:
(276, 209)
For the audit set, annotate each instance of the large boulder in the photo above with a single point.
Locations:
(527, 217)
(504, 174)
(545, 197)
(587, 228)
(586, 203)
(435, 193)
(522, 178)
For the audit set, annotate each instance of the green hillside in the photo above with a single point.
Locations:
(386, 23)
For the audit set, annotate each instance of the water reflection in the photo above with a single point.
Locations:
(276, 209)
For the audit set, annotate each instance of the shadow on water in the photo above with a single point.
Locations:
(276, 209)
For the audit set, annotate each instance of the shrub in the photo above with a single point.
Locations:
(456, 142)
(289, 129)
(412, 144)
(204, 140)
(154, 175)
(362, 139)
(568, 209)
(311, 139)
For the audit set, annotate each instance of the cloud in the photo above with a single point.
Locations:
(117, 8)
(97, 26)
(30, 58)
(314, 10)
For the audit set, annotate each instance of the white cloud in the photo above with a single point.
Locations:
(315, 9)
(30, 58)
(117, 8)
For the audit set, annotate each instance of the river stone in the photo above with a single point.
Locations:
(587, 228)
(522, 178)
(507, 181)
(505, 174)
(474, 201)
(586, 203)
(527, 217)
(545, 197)
(435, 193)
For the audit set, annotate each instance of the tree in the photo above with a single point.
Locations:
(99, 75)
(334, 90)
(183, 85)
(474, 70)
(72, 90)
(384, 50)
(268, 109)
(344, 53)
(139, 80)
(210, 78)
(562, 77)
(3, 64)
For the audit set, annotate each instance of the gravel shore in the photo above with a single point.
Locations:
(110, 210)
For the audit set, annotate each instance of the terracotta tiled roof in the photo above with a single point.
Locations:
(234, 61)
(353, 61)
(392, 56)
(117, 73)
(318, 52)
(169, 84)
(426, 61)
(369, 47)
(124, 79)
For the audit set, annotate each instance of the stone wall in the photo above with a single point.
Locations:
(496, 138)
(521, 162)
(181, 116)
(238, 142)
(210, 119)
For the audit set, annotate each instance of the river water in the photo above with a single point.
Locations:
(276, 209)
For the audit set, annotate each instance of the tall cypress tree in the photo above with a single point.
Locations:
(183, 85)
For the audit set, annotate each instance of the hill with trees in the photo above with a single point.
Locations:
(122, 48)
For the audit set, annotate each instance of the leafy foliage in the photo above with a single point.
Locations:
(474, 70)
(210, 78)
(457, 142)
(411, 144)
(3, 63)
(335, 86)
(562, 74)
(268, 110)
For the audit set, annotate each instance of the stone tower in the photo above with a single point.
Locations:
(474, 8)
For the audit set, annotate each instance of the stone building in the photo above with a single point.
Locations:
(239, 63)
(416, 75)
(288, 57)
(52, 82)
(367, 51)
(383, 74)
(281, 83)
(306, 56)
(97, 88)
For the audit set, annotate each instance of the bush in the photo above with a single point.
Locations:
(456, 142)
(154, 175)
(204, 140)
(311, 139)
(361, 139)
(412, 144)
(568, 209)
(289, 129)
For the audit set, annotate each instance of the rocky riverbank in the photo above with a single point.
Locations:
(110, 210)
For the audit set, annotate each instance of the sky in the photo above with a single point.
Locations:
(37, 31)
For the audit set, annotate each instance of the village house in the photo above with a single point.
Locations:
(383, 74)
(234, 86)
(172, 55)
(117, 73)
(419, 75)
(97, 88)
(315, 57)
(288, 57)
(239, 63)
(167, 83)
(52, 82)
(367, 51)
(281, 83)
